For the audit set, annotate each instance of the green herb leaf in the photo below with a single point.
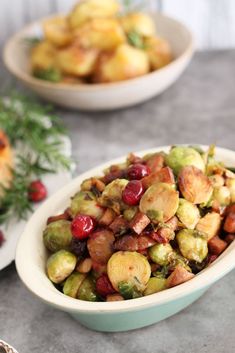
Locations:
(135, 40)
(51, 74)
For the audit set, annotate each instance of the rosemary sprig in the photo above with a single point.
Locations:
(37, 135)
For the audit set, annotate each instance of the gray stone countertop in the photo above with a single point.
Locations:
(198, 108)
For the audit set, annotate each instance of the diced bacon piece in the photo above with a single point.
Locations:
(98, 268)
(145, 242)
(217, 245)
(108, 217)
(164, 175)
(229, 238)
(104, 286)
(126, 243)
(229, 224)
(178, 276)
(119, 225)
(139, 222)
(166, 232)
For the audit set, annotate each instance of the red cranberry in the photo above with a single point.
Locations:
(104, 286)
(132, 192)
(2, 239)
(138, 171)
(37, 191)
(82, 226)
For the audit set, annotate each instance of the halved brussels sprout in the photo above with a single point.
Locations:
(160, 202)
(192, 245)
(112, 195)
(86, 10)
(222, 195)
(84, 202)
(161, 254)
(188, 213)
(194, 185)
(60, 265)
(181, 156)
(129, 267)
(57, 235)
(209, 224)
(138, 22)
(87, 290)
(155, 285)
(73, 283)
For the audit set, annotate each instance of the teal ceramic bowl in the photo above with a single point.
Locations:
(110, 316)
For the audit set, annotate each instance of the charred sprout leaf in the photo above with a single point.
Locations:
(52, 74)
(163, 273)
(128, 290)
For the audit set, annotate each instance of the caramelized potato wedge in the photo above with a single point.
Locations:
(209, 224)
(178, 276)
(57, 31)
(124, 63)
(164, 175)
(130, 267)
(159, 52)
(77, 61)
(138, 22)
(101, 33)
(100, 245)
(86, 10)
(194, 185)
(160, 202)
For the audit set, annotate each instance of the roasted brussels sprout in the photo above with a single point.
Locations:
(181, 156)
(87, 290)
(57, 31)
(124, 63)
(222, 195)
(155, 285)
(160, 202)
(194, 185)
(159, 52)
(112, 194)
(128, 290)
(101, 33)
(192, 245)
(73, 283)
(60, 265)
(87, 9)
(129, 267)
(161, 254)
(78, 61)
(57, 235)
(138, 22)
(188, 213)
(84, 202)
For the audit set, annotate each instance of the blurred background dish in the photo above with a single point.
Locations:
(103, 96)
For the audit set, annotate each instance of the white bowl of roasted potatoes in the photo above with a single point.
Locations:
(99, 56)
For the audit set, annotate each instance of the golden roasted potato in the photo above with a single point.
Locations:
(138, 22)
(6, 161)
(101, 33)
(88, 9)
(124, 63)
(43, 56)
(159, 52)
(57, 31)
(78, 61)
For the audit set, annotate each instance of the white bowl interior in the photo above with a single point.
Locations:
(31, 255)
(177, 34)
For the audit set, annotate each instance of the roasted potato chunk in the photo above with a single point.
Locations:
(101, 33)
(160, 202)
(139, 23)
(124, 63)
(159, 52)
(194, 185)
(209, 224)
(57, 31)
(78, 61)
(88, 9)
(43, 56)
